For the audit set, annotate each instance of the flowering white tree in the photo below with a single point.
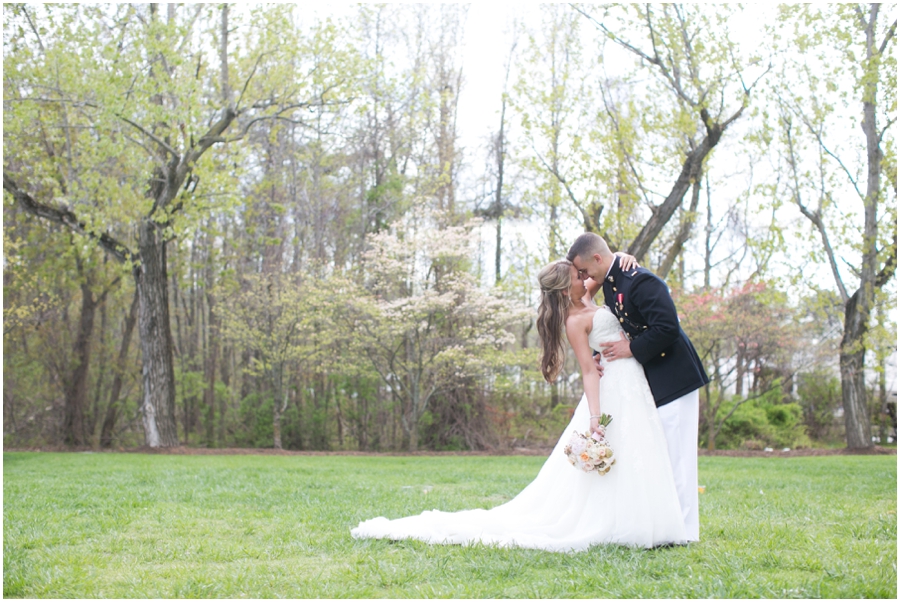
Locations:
(426, 323)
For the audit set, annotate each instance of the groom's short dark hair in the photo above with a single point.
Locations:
(586, 245)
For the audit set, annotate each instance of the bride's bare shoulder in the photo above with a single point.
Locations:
(580, 321)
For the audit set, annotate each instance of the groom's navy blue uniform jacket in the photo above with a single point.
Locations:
(647, 313)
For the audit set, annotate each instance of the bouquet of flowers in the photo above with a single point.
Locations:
(591, 452)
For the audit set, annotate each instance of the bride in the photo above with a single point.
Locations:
(564, 509)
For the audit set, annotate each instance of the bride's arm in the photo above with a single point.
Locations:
(626, 262)
(577, 330)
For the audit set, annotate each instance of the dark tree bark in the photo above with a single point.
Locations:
(76, 430)
(158, 406)
(227, 358)
(853, 384)
(76, 387)
(691, 170)
(212, 352)
(107, 432)
(684, 232)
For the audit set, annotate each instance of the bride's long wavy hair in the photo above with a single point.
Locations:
(555, 280)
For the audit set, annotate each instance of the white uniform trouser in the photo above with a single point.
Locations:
(680, 420)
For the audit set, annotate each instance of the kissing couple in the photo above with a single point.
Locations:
(637, 366)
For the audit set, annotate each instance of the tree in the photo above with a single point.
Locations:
(270, 317)
(743, 332)
(828, 169)
(402, 324)
(698, 66)
(549, 99)
(498, 153)
(95, 95)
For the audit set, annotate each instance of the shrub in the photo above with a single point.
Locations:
(763, 423)
(256, 416)
(819, 396)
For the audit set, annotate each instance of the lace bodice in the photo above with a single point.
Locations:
(606, 328)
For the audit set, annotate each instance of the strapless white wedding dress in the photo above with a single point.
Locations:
(565, 509)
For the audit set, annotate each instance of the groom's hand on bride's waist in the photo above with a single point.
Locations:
(618, 349)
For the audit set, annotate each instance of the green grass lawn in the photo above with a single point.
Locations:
(129, 525)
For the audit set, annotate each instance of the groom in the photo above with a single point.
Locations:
(641, 302)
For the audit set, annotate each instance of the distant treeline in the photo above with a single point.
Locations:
(246, 228)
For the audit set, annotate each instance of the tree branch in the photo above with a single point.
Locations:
(188, 28)
(33, 28)
(890, 264)
(589, 226)
(156, 139)
(67, 218)
(150, 152)
(887, 37)
(728, 121)
(277, 115)
(860, 16)
(885, 129)
(853, 268)
(828, 152)
(207, 140)
(629, 160)
(815, 218)
(617, 40)
(247, 81)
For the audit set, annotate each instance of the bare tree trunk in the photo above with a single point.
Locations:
(279, 405)
(853, 384)
(225, 87)
(276, 424)
(708, 245)
(76, 389)
(500, 155)
(212, 352)
(883, 412)
(227, 358)
(411, 417)
(158, 401)
(690, 173)
(91, 427)
(858, 307)
(180, 347)
(109, 422)
(500, 150)
(684, 232)
(448, 83)
(413, 434)
(363, 418)
(556, 245)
